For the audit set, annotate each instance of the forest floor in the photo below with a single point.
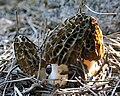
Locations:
(36, 17)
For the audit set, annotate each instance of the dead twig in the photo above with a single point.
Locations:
(99, 12)
(115, 88)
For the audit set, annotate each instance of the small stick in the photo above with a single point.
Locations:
(3, 94)
(87, 87)
(23, 79)
(99, 12)
(16, 22)
(17, 91)
(115, 88)
(9, 71)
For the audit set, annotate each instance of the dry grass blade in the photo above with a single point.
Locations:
(14, 82)
(17, 91)
(113, 92)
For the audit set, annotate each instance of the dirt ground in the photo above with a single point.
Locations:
(56, 11)
(36, 17)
